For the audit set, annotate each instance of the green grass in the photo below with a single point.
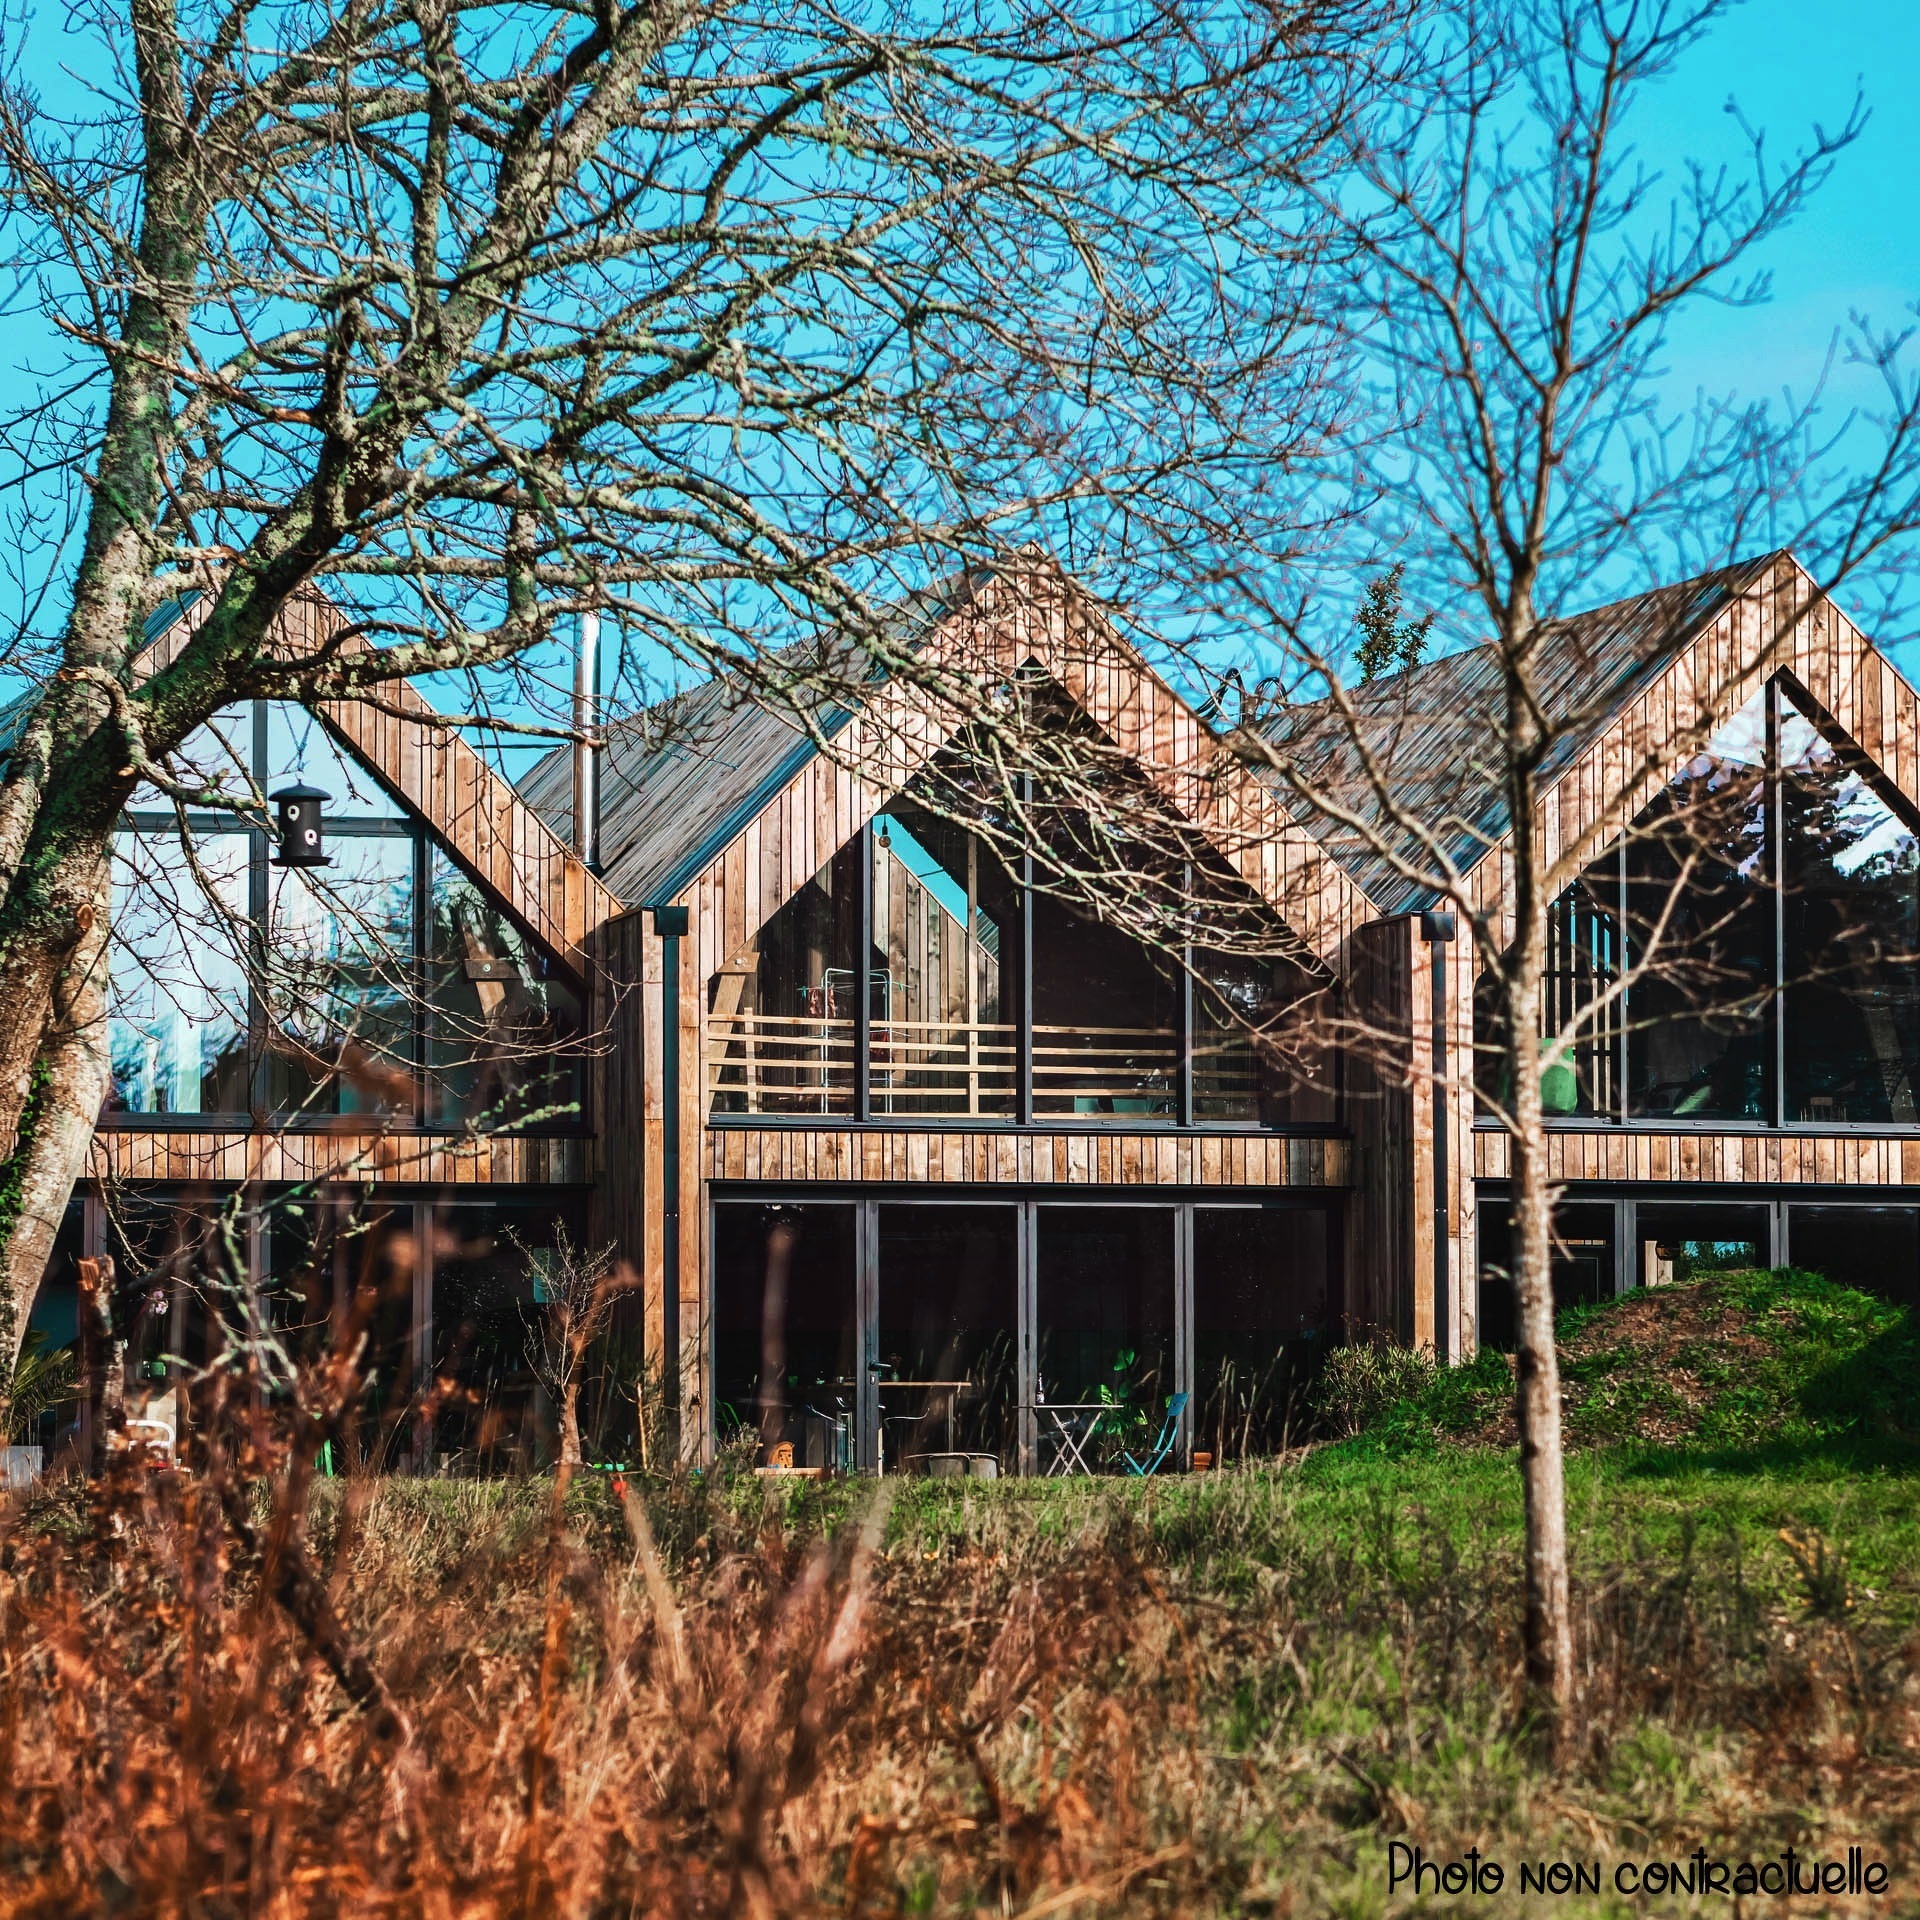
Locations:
(1260, 1678)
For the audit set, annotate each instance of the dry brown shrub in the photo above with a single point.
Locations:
(695, 1700)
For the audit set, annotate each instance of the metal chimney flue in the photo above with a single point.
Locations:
(586, 744)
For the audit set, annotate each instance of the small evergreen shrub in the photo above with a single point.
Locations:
(1361, 1384)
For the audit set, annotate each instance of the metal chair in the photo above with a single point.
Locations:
(1169, 1434)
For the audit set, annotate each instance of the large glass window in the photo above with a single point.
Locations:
(946, 931)
(1262, 1310)
(1264, 1042)
(1700, 935)
(177, 1032)
(1105, 1305)
(948, 1375)
(781, 1014)
(1764, 913)
(1850, 895)
(1876, 1249)
(238, 986)
(959, 938)
(338, 981)
(784, 1333)
(500, 1020)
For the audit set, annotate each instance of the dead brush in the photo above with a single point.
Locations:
(201, 1716)
(238, 1692)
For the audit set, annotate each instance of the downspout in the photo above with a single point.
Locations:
(670, 923)
(1437, 930)
(586, 744)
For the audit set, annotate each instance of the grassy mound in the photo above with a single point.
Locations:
(1745, 1362)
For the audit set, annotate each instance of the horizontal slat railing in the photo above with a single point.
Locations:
(766, 1063)
(779, 1063)
(1089, 1072)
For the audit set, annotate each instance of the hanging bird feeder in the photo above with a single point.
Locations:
(301, 843)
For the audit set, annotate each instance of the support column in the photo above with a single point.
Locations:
(866, 1341)
(1183, 1330)
(1027, 1337)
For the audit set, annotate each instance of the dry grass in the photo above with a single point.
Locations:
(1209, 1698)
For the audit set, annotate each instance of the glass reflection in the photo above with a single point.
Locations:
(177, 1024)
(499, 1027)
(780, 1011)
(1699, 915)
(339, 981)
(1850, 895)
(944, 912)
(1263, 1043)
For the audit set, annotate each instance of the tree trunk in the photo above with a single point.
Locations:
(570, 1455)
(1549, 1605)
(53, 1081)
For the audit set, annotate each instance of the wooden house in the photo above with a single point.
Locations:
(916, 1160)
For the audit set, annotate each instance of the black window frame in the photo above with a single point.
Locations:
(402, 824)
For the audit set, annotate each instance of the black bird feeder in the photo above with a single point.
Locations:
(301, 844)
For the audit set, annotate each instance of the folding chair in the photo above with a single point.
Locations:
(1169, 1433)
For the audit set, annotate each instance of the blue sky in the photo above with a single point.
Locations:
(1789, 66)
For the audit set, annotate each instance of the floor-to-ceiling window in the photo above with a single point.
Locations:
(1106, 1310)
(386, 983)
(1048, 1335)
(1850, 894)
(1749, 953)
(993, 986)
(786, 1367)
(1263, 1311)
(947, 1339)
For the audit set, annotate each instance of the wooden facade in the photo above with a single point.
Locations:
(177, 1156)
(875, 1156)
(656, 1155)
(1636, 1156)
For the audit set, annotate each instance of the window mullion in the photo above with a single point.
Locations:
(1776, 874)
(420, 975)
(259, 906)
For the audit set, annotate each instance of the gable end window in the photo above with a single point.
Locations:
(385, 984)
(1764, 917)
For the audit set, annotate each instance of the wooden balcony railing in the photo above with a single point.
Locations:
(767, 1063)
(793, 1063)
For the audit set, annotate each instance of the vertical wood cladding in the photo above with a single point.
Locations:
(903, 1156)
(1637, 1156)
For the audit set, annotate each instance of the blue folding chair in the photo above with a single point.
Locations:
(1169, 1434)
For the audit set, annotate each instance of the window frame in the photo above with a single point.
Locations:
(1024, 1118)
(1780, 687)
(402, 824)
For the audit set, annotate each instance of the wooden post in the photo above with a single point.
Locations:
(973, 976)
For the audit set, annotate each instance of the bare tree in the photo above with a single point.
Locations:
(1510, 279)
(579, 1290)
(1521, 274)
(728, 323)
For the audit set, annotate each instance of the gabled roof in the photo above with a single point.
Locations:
(1434, 731)
(677, 782)
(688, 787)
(679, 779)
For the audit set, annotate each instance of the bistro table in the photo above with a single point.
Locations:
(1075, 1422)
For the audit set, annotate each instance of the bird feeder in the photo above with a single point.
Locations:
(298, 810)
